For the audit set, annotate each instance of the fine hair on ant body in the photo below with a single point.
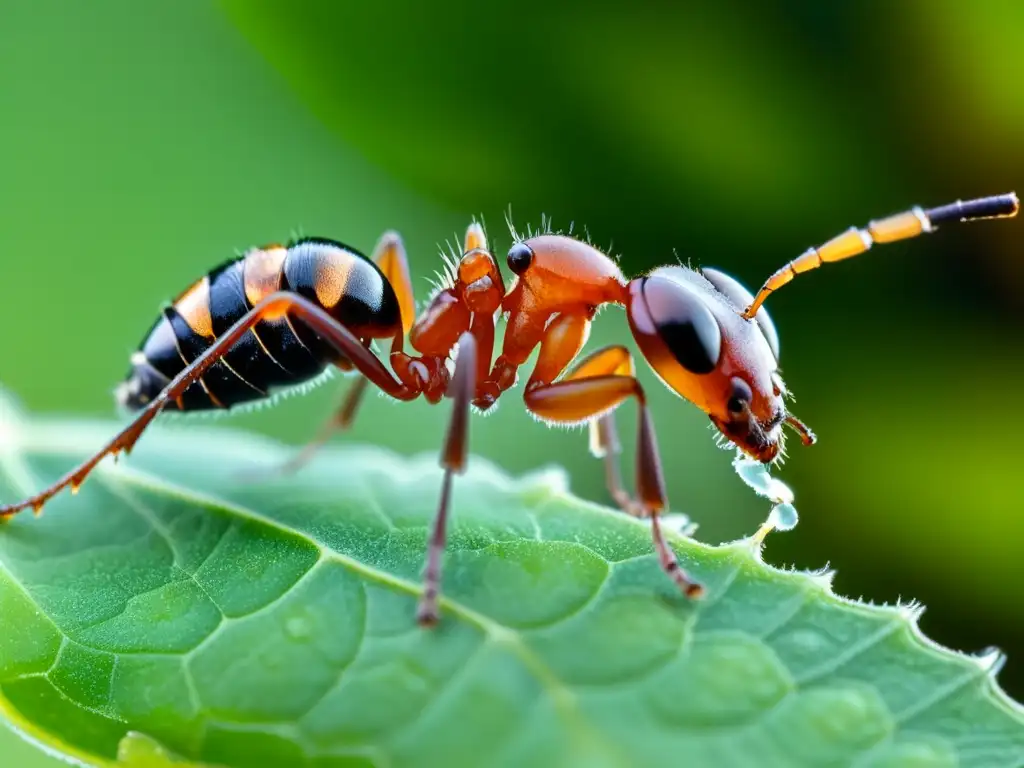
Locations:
(280, 314)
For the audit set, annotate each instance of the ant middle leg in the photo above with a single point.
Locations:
(453, 460)
(340, 421)
(589, 394)
(273, 307)
(604, 437)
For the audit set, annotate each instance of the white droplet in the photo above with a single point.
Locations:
(783, 517)
(779, 491)
(754, 474)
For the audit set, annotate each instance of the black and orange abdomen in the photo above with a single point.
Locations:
(274, 354)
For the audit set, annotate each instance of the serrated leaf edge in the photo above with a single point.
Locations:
(54, 437)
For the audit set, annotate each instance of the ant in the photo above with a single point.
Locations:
(279, 315)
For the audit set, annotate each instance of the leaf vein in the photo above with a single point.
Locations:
(940, 695)
(226, 621)
(840, 660)
(340, 677)
(145, 512)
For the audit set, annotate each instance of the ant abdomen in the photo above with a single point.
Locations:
(276, 353)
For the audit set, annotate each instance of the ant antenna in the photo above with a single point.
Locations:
(806, 435)
(900, 226)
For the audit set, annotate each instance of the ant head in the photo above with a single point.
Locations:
(689, 327)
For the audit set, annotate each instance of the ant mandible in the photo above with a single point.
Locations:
(279, 315)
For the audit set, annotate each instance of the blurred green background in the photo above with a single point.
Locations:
(141, 144)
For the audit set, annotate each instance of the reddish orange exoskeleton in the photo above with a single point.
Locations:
(279, 315)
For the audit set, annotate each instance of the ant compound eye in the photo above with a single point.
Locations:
(741, 298)
(684, 323)
(740, 398)
(520, 256)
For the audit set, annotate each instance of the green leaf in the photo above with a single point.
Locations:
(174, 609)
(137, 750)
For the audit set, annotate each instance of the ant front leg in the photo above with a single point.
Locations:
(582, 398)
(453, 460)
(274, 307)
(467, 303)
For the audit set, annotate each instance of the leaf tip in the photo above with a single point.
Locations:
(911, 611)
(990, 661)
(824, 578)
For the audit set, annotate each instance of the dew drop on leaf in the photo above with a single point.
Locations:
(297, 628)
(808, 641)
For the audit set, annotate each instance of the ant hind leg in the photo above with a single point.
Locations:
(275, 306)
(340, 421)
